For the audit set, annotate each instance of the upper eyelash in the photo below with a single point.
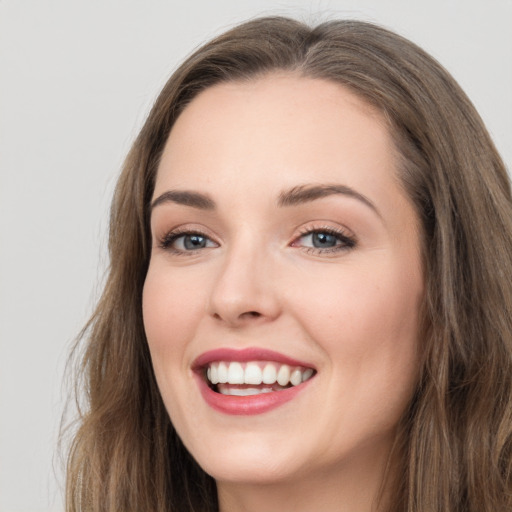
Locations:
(349, 241)
(167, 240)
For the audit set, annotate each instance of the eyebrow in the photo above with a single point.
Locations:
(307, 193)
(292, 197)
(186, 198)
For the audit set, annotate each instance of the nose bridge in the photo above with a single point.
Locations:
(244, 287)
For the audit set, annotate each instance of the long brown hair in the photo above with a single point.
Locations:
(455, 439)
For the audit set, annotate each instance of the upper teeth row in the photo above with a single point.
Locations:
(256, 373)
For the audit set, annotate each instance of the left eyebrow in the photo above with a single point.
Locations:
(185, 198)
(306, 193)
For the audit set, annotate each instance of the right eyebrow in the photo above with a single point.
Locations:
(307, 193)
(186, 198)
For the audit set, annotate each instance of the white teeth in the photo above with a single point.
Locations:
(283, 375)
(256, 373)
(244, 392)
(253, 374)
(235, 373)
(269, 374)
(296, 377)
(307, 374)
(214, 374)
(223, 372)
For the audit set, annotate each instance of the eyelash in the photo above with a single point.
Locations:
(347, 242)
(170, 238)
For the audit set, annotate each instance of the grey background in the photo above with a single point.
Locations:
(76, 81)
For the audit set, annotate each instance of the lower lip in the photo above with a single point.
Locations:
(247, 405)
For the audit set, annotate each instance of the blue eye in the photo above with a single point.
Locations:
(325, 241)
(186, 242)
(191, 242)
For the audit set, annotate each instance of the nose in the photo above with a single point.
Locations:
(245, 291)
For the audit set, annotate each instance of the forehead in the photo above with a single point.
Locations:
(280, 129)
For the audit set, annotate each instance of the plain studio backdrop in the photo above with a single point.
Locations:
(77, 79)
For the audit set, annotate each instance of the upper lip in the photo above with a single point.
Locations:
(245, 355)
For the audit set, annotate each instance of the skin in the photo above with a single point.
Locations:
(352, 312)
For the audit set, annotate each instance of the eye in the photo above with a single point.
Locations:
(183, 242)
(325, 241)
(320, 240)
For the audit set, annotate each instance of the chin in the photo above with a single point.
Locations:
(257, 472)
(255, 463)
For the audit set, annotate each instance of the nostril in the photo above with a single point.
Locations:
(247, 314)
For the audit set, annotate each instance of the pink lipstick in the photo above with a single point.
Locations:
(249, 381)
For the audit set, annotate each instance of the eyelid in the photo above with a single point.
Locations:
(166, 240)
(346, 240)
(344, 235)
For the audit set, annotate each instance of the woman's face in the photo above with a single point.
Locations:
(286, 263)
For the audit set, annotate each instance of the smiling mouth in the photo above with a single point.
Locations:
(254, 377)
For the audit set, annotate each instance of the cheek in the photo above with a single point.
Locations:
(366, 320)
(171, 309)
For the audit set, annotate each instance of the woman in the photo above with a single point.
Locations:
(309, 299)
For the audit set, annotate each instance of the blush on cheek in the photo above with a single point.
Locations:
(171, 314)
